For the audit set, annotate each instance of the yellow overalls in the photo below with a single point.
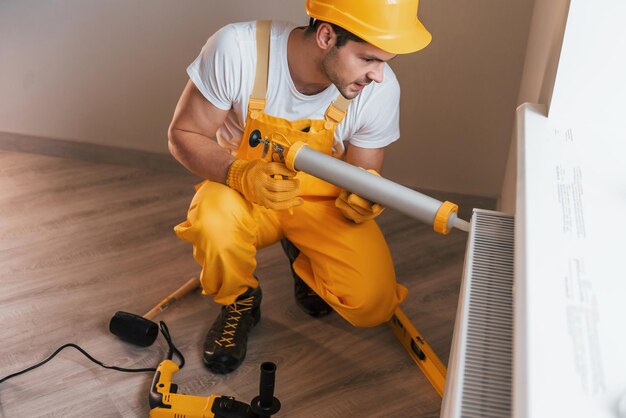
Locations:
(349, 265)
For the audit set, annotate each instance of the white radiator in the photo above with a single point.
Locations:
(549, 343)
(479, 379)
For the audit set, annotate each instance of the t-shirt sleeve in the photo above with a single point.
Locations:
(379, 119)
(216, 72)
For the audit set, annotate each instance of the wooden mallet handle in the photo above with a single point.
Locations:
(191, 285)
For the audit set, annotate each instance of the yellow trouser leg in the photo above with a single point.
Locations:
(348, 265)
(226, 231)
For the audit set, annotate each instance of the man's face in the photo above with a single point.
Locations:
(354, 65)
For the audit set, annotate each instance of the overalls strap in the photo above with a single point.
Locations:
(259, 90)
(337, 110)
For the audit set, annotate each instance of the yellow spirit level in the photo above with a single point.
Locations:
(419, 350)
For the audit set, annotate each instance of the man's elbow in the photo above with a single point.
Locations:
(173, 140)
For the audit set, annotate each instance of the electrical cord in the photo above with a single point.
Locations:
(172, 348)
(164, 330)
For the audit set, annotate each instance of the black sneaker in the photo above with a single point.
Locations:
(226, 342)
(309, 301)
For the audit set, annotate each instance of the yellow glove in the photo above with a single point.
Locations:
(356, 208)
(269, 184)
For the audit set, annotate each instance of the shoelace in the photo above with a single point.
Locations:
(232, 320)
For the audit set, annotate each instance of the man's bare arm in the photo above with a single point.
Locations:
(192, 136)
(367, 158)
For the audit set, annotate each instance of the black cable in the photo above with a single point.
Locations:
(164, 331)
(41, 363)
(170, 343)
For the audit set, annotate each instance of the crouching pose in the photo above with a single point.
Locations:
(328, 85)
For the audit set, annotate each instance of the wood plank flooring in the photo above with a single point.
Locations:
(80, 240)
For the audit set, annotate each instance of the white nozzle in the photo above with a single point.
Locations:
(461, 224)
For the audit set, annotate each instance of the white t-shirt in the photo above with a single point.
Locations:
(224, 73)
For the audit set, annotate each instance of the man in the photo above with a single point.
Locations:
(328, 85)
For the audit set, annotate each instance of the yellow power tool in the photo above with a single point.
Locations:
(165, 402)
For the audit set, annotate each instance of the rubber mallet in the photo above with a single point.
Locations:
(140, 330)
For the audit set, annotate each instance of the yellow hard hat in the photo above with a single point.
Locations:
(390, 25)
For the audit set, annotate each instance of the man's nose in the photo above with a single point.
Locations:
(376, 74)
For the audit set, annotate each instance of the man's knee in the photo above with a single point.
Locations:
(370, 306)
(216, 214)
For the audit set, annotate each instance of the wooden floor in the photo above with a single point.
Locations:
(79, 241)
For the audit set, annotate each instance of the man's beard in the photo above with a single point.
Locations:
(330, 70)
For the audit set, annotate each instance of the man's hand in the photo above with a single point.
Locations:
(356, 208)
(270, 184)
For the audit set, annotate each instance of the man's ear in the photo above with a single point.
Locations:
(325, 36)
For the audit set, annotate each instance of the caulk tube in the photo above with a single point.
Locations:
(442, 215)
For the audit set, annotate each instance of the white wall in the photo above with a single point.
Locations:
(107, 72)
(110, 72)
(542, 56)
(459, 96)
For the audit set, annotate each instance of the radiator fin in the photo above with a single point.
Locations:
(487, 375)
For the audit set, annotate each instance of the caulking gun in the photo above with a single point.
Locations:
(300, 157)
